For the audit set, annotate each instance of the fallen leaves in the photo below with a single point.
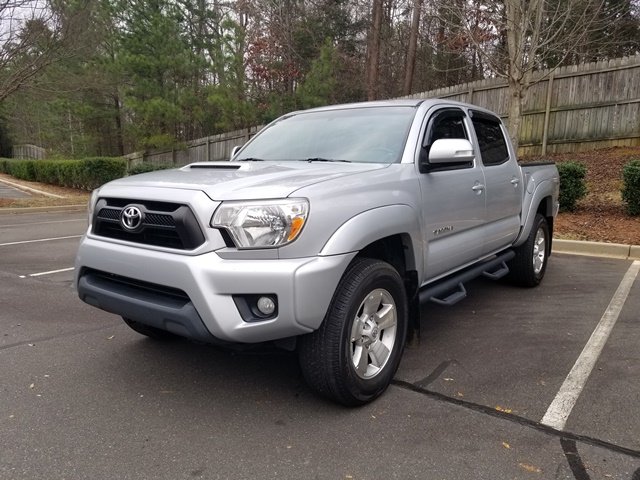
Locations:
(529, 468)
(503, 410)
(600, 215)
(523, 465)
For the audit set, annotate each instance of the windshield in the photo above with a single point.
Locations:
(367, 134)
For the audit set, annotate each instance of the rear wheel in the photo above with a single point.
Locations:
(530, 263)
(353, 356)
(151, 332)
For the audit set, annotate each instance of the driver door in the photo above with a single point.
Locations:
(453, 200)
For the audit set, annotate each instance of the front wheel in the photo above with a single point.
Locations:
(356, 351)
(530, 263)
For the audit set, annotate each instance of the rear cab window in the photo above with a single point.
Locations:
(491, 140)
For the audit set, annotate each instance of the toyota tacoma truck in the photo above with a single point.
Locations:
(324, 233)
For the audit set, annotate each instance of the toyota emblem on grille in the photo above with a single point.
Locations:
(131, 218)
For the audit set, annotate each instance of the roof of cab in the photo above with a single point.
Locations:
(428, 102)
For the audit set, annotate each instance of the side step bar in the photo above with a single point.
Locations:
(451, 289)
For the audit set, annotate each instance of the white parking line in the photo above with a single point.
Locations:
(40, 240)
(560, 409)
(48, 273)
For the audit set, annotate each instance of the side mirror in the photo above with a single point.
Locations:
(447, 154)
(235, 150)
(451, 150)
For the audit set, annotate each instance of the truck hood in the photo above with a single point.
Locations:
(246, 180)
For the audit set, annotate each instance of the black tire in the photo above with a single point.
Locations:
(151, 332)
(350, 334)
(528, 267)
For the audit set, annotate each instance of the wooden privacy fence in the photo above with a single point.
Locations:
(28, 152)
(208, 149)
(573, 108)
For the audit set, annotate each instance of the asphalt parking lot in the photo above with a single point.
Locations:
(7, 191)
(84, 397)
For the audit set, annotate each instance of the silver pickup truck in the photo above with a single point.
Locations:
(324, 233)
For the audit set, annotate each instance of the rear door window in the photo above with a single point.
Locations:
(493, 145)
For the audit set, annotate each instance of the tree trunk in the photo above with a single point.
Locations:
(413, 46)
(515, 111)
(515, 77)
(117, 115)
(373, 56)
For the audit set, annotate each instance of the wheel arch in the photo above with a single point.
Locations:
(396, 250)
(390, 234)
(541, 202)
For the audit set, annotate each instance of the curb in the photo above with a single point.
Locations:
(58, 208)
(596, 249)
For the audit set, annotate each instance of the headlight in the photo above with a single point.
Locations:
(262, 224)
(92, 205)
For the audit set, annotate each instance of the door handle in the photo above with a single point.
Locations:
(478, 188)
(515, 181)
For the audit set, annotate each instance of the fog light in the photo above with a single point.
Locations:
(266, 306)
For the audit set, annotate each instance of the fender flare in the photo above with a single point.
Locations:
(375, 224)
(542, 191)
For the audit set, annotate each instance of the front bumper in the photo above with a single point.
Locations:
(303, 286)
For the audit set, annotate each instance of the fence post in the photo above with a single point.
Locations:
(547, 113)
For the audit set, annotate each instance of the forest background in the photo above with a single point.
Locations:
(108, 77)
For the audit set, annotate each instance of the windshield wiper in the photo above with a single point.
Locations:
(250, 159)
(320, 159)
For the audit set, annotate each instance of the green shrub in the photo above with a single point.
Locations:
(4, 165)
(23, 169)
(631, 187)
(46, 172)
(87, 174)
(69, 173)
(100, 170)
(572, 184)
(148, 167)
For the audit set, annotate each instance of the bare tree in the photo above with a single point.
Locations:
(373, 50)
(519, 37)
(33, 35)
(413, 45)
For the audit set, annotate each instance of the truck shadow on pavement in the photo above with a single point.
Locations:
(197, 370)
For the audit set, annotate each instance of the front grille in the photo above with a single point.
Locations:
(109, 214)
(160, 220)
(163, 224)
